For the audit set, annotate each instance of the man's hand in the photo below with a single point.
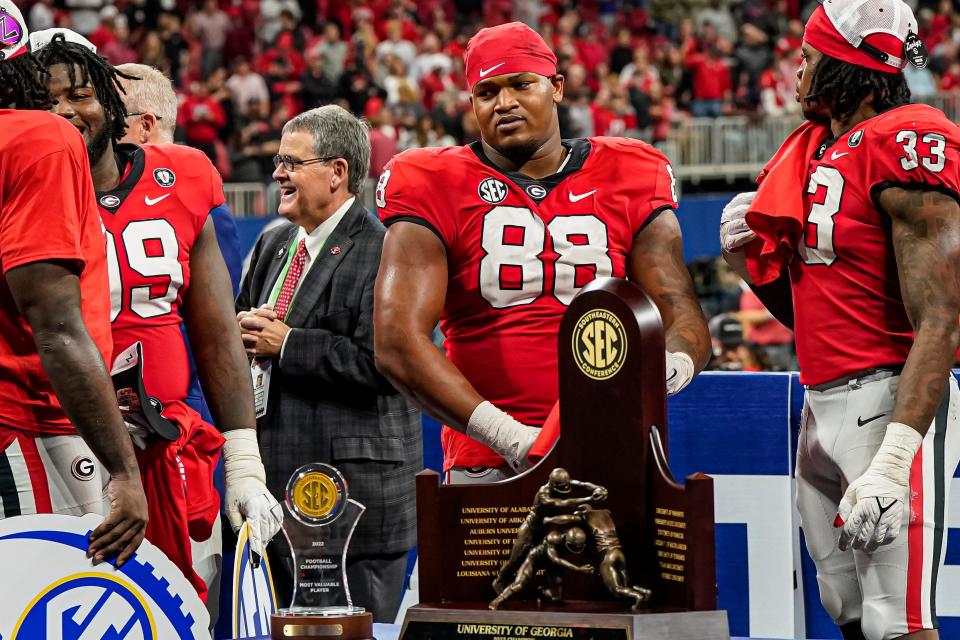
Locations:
(246, 496)
(871, 511)
(599, 494)
(262, 333)
(124, 527)
(680, 371)
(734, 232)
(499, 431)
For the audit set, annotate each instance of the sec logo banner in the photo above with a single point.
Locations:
(253, 597)
(60, 594)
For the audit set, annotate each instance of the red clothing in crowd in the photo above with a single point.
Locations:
(609, 123)
(202, 119)
(711, 77)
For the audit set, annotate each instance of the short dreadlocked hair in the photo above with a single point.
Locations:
(843, 86)
(23, 84)
(97, 71)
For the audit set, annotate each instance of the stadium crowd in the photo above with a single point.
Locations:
(242, 68)
(633, 67)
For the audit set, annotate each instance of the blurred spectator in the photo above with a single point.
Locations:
(41, 15)
(271, 21)
(152, 52)
(383, 136)
(241, 39)
(395, 45)
(259, 142)
(752, 57)
(84, 15)
(118, 50)
(612, 113)
(430, 60)
(621, 54)
(730, 351)
(211, 27)
(356, 88)
(103, 34)
(202, 119)
(950, 82)
(397, 83)
(333, 52)
(248, 87)
(317, 89)
(712, 86)
(168, 29)
(921, 81)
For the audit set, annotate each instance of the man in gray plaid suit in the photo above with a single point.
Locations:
(306, 314)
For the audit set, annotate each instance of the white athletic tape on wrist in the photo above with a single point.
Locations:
(241, 455)
(897, 451)
(498, 430)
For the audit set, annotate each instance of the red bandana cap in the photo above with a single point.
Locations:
(507, 48)
(876, 34)
(13, 31)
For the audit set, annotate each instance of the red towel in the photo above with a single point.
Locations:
(778, 213)
(178, 480)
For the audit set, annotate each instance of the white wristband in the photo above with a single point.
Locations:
(241, 455)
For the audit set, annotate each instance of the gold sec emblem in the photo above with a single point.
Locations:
(599, 344)
(315, 495)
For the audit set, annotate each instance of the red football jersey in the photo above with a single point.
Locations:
(518, 251)
(848, 308)
(152, 219)
(47, 212)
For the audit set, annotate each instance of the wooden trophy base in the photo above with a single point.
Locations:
(575, 620)
(345, 627)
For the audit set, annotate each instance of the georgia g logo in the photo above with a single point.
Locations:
(64, 610)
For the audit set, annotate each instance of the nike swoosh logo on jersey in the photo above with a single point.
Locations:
(485, 72)
(578, 198)
(835, 155)
(152, 201)
(861, 421)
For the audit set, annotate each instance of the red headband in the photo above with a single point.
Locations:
(824, 37)
(508, 48)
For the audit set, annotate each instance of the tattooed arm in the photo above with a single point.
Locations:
(656, 264)
(926, 241)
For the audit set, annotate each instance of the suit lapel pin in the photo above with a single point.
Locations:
(280, 252)
(336, 250)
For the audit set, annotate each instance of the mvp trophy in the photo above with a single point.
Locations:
(599, 540)
(319, 532)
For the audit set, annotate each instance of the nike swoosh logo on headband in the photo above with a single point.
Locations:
(485, 72)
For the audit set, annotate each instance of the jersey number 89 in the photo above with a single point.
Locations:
(512, 271)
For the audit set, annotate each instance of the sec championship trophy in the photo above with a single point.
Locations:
(319, 531)
(613, 547)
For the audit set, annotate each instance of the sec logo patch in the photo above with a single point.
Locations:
(599, 344)
(164, 177)
(492, 191)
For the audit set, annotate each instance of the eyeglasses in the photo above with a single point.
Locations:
(289, 164)
(143, 113)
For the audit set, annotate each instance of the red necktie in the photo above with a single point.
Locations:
(290, 282)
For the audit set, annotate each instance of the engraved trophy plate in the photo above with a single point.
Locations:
(323, 519)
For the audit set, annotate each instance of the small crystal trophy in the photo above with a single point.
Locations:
(319, 531)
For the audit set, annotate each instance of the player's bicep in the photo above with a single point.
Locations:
(925, 227)
(412, 281)
(656, 264)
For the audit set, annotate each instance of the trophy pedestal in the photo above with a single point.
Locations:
(568, 619)
(297, 626)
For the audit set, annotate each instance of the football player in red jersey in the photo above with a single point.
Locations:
(54, 321)
(162, 249)
(496, 238)
(858, 219)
